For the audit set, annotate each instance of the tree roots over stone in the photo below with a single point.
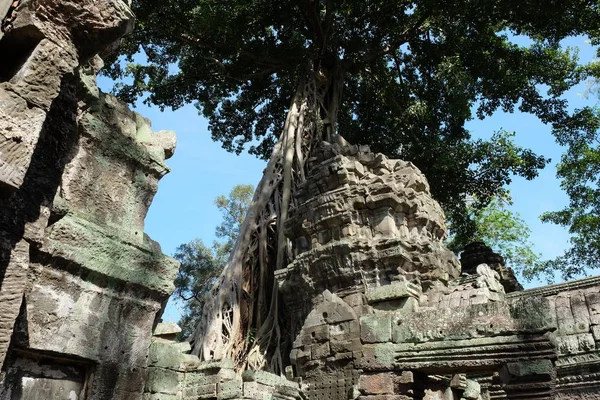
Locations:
(241, 318)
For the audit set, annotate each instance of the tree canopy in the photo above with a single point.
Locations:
(579, 171)
(413, 72)
(233, 209)
(200, 265)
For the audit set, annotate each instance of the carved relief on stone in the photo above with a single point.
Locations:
(326, 348)
(362, 220)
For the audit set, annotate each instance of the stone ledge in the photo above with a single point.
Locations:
(557, 288)
(99, 250)
(396, 290)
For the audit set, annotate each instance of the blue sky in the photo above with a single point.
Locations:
(183, 208)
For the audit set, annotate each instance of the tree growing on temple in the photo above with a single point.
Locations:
(401, 76)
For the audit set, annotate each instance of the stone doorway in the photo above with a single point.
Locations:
(40, 376)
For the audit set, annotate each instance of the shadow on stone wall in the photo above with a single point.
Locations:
(23, 207)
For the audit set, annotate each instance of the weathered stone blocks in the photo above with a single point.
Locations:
(376, 328)
(367, 232)
(376, 383)
(78, 171)
(396, 290)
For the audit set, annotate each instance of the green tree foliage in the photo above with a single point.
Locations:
(233, 209)
(412, 74)
(200, 265)
(579, 171)
(505, 232)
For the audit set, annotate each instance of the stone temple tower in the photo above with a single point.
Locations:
(377, 308)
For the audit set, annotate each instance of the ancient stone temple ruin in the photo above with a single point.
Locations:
(81, 285)
(377, 308)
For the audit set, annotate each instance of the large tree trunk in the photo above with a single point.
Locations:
(241, 318)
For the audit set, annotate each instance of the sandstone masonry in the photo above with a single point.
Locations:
(80, 283)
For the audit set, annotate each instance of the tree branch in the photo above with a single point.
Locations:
(228, 211)
(260, 75)
(393, 45)
(244, 77)
(398, 70)
(258, 59)
(312, 20)
(196, 41)
(329, 12)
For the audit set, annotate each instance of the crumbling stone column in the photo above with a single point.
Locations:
(80, 283)
(37, 120)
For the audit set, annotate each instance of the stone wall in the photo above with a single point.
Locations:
(175, 375)
(575, 306)
(80, 283)
(540, 343)
(379, 345)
